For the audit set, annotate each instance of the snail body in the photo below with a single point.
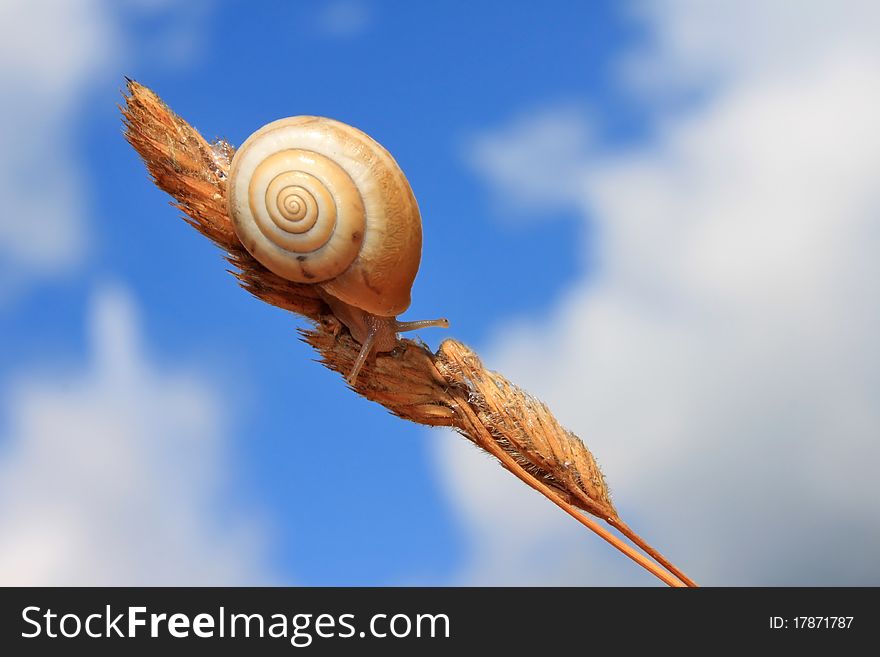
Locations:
(319, 202)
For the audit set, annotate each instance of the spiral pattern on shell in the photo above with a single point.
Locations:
(305, 217)
(318, 201)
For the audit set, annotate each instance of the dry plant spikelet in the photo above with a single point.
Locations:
(447, 388)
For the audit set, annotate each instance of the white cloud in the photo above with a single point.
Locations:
(722, 364)
(725, 41)
(344, 18)
(168, 33)
(535, 161)
(49, 51)
(115, 474)
(52, 53)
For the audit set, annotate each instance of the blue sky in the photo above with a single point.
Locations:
(583, 171)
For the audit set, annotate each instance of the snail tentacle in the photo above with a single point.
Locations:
(366, 349)
(402, 327)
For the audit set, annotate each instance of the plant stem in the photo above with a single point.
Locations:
(624, 529)
(526, 477)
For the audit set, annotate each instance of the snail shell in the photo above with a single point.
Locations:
(317, 201)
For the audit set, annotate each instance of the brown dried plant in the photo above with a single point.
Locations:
(448, 388)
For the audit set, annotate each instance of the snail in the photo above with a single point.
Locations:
(319, 202)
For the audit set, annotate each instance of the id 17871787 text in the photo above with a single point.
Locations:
(811, 622)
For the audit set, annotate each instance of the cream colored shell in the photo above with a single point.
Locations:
(318, 201)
